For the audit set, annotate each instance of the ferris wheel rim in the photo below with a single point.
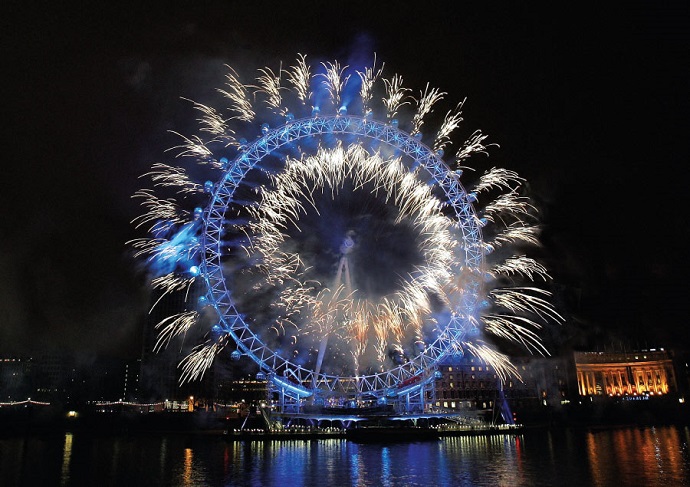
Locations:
(413, 373)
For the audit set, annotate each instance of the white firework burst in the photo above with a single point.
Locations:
(261, 248)
(293, 194)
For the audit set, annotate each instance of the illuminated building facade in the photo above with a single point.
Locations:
(466, 383)
(642, 373)
(248, 390)
(470, 384)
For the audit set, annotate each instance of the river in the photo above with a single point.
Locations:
(635, 456)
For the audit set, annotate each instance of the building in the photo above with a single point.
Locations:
(15, 382)
(246, 390)
(642, 373)
(63, 380)
(130, 386)
(468, 385)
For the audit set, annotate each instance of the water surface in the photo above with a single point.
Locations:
(624, 456)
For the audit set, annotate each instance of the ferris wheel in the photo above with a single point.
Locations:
(334, 245)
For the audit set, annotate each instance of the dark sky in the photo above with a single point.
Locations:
(589, 103)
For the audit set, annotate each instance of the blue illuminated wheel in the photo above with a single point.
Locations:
(301, 377)
(339, 251)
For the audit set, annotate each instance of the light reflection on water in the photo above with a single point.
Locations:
(643, 456)
(66, 458)
(626, 456)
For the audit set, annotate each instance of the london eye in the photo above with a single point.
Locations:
(334, 242)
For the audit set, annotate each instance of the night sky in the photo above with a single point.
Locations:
(591, 105)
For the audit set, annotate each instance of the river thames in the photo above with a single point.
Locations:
(649, 456)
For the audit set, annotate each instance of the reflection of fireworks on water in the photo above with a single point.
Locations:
(337, 246)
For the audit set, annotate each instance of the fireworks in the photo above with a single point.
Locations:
(337, 251)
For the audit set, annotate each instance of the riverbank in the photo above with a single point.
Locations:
(594, 415)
